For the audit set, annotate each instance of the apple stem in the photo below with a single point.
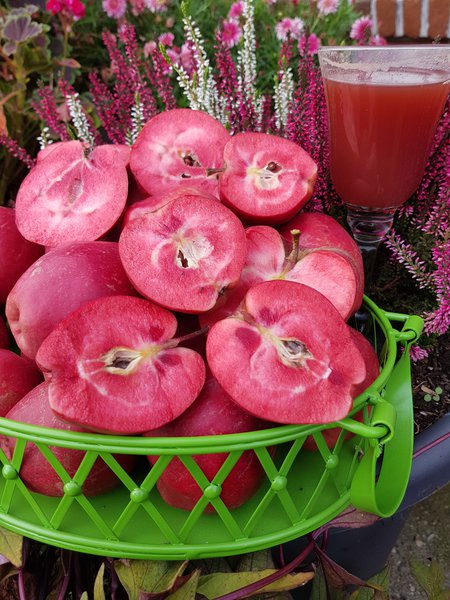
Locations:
(293, 255)
(188, 336)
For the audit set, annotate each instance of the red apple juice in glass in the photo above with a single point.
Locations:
(381, 131)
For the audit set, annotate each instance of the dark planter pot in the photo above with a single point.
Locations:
(365, 551)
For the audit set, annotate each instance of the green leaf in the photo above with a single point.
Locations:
(438, 391)
(431, 578)
(319, 588)
(11, 546)
(256, 561)
(218, 584)
(84, 596)
(339, 578)
(154, 576)
(427, 397)
(188, 591)
(99, 590)
(380, 579)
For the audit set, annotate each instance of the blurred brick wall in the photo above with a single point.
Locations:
(428, 19)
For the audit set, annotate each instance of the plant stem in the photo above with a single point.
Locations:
(65, 583)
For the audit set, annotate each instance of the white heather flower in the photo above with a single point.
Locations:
(43, 139)
(137, 119)
(283, 94)
(79, 119)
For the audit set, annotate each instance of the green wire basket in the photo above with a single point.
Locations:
(301, 491)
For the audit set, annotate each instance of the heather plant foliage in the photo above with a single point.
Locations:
(250, 64)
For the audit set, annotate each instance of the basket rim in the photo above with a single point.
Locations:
(138, 444)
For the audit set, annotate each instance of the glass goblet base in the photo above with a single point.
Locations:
(368, 227)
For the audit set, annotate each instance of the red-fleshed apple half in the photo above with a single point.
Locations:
(58, 283)
(185, 255)
(213, 413)
(286, 355)
(270, 257)
(113, 367)
(17, 377)
(16, 253)
(73, 194)
(372, 371)
(267, 179)
(321, 232)
(177, 147)
(153, 203)
(37, 472)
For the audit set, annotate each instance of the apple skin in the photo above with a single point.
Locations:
(17, 377)
(267, 179)
(113, 367)
(270, 257)
(16, 253)
(58, 283)
(73, 194)
(177, 147)
(318, 230)
(372, 371)
(213, 413)
(286, 355)
(36, 472)
(184, 255)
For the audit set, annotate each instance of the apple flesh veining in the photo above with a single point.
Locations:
(17, 377)
(186, 254)
(372, 371)
(286, 355)
(58, 283)
(178, 147)
(16, 253)
(114, 367)
(73, 194)
(213, 413)
(267, 179)
(320, 231)
(269, 258)
(36, 471)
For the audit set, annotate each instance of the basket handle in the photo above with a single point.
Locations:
(380, 489)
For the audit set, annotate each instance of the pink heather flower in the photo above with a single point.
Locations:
(361, 29)
(327, 7)
(149, 47)
(166, 39)
(309, 44)
(236, 10)
(157, 6)
(231, 33)
(417, 353)
(377, 40)
(137, 7)
(74, 7)
(187, 58)
(289, 27)
(114, 8)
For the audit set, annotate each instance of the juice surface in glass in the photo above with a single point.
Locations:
(381, 133)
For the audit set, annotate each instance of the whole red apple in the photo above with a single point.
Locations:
(113, 366)
(213, 413)
(16, 253)
(286, 355)
(320, 232)
(267, 179)
(184, 255)
(17, 377)
(73, 194)
(177, 147)
(36, 471)
(58, 283)
(270, 257)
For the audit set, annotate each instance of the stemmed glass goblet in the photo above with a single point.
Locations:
(384, 105)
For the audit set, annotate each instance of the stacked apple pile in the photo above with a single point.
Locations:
(181, 292)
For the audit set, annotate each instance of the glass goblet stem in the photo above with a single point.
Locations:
(369, 226)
